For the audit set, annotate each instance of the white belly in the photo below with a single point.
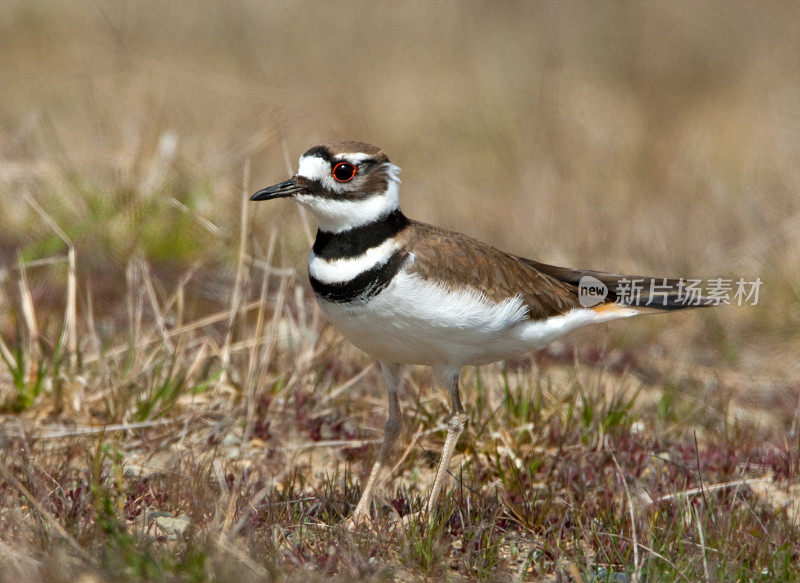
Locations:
(414, 321)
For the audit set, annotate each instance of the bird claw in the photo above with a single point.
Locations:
(357, 521)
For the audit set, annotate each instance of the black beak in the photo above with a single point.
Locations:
(284, 189)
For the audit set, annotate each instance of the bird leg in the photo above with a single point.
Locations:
(455, 427)
(393, 380)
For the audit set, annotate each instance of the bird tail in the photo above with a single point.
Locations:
(611, 291)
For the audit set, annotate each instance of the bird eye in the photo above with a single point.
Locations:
(343, 172)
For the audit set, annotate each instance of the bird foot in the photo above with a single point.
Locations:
(357, 521)
(418, 519)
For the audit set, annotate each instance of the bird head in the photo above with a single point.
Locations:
(345, 184)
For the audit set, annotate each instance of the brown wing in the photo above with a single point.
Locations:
(442, 256)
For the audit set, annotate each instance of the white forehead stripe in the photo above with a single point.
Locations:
(353, 158)
(313, 168)
(316, 168)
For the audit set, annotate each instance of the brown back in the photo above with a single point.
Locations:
(443, 256)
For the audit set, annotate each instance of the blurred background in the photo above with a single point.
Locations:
(660, 139)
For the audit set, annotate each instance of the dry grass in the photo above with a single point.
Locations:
(175, 407)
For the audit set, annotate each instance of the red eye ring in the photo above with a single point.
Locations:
(344, 172)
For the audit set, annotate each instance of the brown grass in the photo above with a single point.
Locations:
(175, 407)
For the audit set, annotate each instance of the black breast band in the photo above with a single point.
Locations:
(355, 241)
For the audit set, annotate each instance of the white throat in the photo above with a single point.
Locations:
(335, 216)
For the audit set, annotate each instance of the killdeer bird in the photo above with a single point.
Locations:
(411, 293)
